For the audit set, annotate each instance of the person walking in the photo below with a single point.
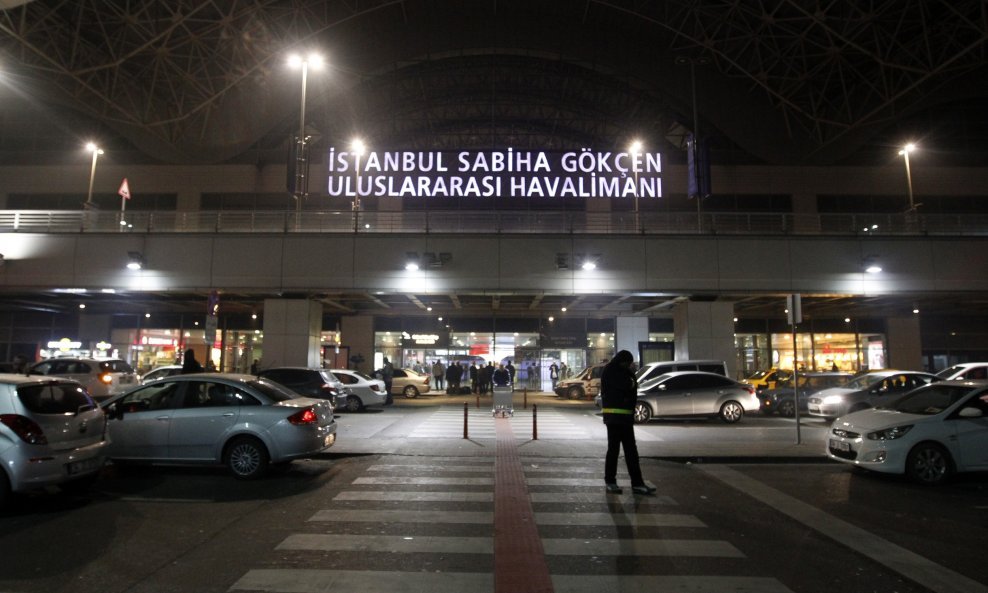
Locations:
(189, 363)
(554, 375)
(387, 375)
(619, 393)
(438, 373)
(511, 373)
(474, 381)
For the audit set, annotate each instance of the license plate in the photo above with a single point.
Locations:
(86, 465)
(840, 445)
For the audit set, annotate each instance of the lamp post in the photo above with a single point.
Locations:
(96, 150)
(904, 152)
(358, 148)
(635, 149)
(301, 146)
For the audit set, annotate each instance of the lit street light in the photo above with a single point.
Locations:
(96, 150)
(909, 178)
(301, 147)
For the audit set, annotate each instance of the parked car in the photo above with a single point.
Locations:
(409, 383)
(102, 378)
(51, 433)
(928, 434)
(654, 369)
(241, 421)
(692, 393)
(583, 384)
(364, 391)
(160, 372)
(967, 371)
(780, 400)
(768, 379)
(869, 390)
(310, 382)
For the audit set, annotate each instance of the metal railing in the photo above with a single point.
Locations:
(501, 222)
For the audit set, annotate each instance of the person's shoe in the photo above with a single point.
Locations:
(644, 489)
(613, 489)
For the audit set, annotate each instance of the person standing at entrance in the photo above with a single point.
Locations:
(189, 363)
(388, 375)
(474, 384)
(438, 373)
(554, 375)
(619, 393)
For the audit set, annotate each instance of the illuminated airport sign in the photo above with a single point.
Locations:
(508, 173)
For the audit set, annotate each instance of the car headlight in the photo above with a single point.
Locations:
(833, 399)
(889, 434)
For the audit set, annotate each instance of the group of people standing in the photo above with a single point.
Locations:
(482, 377)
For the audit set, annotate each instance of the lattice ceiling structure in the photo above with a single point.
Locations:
(777, 81)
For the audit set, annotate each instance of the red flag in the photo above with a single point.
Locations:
(124, 190)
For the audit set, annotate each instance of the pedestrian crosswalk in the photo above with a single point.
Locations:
(447, 422)
(426, 524)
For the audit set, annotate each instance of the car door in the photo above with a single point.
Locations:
(139, 421)
(971, 434)
(208, 411)
(672, 396)
(709, 392)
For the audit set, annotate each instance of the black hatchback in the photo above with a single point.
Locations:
(318, 383)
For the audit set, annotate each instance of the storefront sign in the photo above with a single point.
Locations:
(64, 345)
(152, 341)
(440, 340)
(508, 173)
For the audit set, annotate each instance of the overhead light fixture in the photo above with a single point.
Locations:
(136, 261)
(871, 265)
(412, 261)
(589, 264)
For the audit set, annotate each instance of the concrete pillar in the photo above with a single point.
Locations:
(629, 332)
(292, 332)
(358, 335)
(705, 330)
(904, 343)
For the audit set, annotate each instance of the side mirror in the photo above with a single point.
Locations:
(970, 413)
(114, 412)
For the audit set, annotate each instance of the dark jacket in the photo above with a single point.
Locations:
(618, 394)
(453, 373)
(501, 377)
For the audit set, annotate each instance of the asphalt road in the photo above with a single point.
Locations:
(420, 519)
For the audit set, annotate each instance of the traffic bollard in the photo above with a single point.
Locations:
(535, 422)
(466, 411)
(525, 402)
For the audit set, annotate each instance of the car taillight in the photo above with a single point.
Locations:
(329, 389)
(749, 389)
(106, 378)
(426, 382)
(306, 416)
(27, 429)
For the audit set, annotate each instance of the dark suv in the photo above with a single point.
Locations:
(318, 383)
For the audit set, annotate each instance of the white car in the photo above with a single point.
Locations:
(161, 372)
(102, 378)
(928, 434)
(966, 371)
(364, 390)
(51, 433)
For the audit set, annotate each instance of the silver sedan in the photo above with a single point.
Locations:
(364, 391)
(691, 393)
(241, 421)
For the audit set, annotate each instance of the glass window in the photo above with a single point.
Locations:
(158, 396)
(271, 390)
(205, 394)
(115, 366)
(58, 398)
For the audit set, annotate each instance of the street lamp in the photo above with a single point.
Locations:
(96, 150)
(358, 148)
(904, 152)
(301, 148)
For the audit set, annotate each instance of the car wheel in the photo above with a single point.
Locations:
(731, 412)
(575, 392)
(643, 413)
(411, 392)
(353, 404)
(787, 408)
(247, 458)
(929, 464)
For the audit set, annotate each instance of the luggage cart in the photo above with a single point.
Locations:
(503, 404)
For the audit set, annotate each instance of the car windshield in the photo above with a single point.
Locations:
(758, 375)
(950, 371)
(272, 390)
(931, 400)
(864, 381)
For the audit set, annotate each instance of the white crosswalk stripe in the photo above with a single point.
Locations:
(556, 489)
(447, 422)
